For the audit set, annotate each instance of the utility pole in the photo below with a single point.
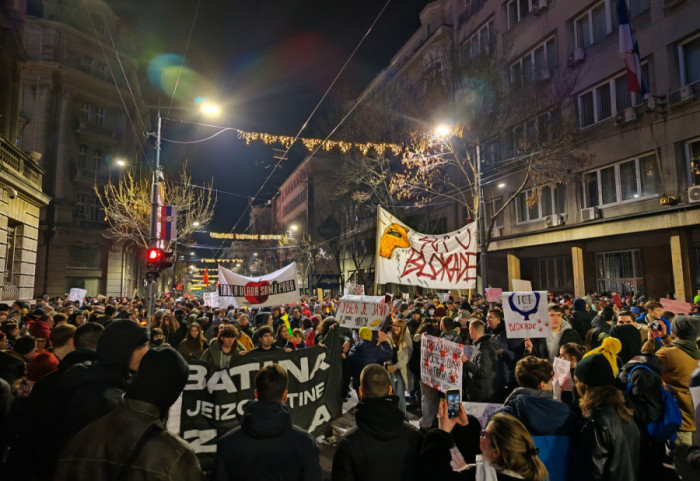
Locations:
(152, 277)
(481, 219)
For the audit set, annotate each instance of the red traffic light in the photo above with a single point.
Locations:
(154, 255)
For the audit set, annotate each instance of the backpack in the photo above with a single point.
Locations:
(665, 428)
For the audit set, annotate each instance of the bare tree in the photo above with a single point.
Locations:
(127, 206)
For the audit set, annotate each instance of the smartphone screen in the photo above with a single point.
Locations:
(453, 400)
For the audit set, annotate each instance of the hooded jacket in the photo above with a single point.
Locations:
(581, 319)
(383, 446)
(540, 413)
(267, 446)
(214, 356)
(645, 388)
(364, 353)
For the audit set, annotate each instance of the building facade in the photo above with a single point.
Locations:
(21, 196)
(77, 97)
(628, 220)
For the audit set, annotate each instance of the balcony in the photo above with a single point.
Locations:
(20, 163)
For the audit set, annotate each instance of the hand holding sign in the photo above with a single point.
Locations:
(526, 315)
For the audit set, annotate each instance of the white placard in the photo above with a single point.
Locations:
(362, 311)
(526, 314)
(481, 411)
(211, 299)
(441, 363)
(521, 285)
(353, 289)
(562, 373)
(77, 294)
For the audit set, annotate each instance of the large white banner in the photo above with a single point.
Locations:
(362, 311)
(275, 289)
(404, 256)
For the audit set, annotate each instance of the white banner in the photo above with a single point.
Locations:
(526, 314)
(354, 289)
(77, 294)
(404, 256)
(481, 411)
(275, 289)
(211, 299)
(440, 363)
(362, 311)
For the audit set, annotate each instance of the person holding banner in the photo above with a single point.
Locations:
(223, 350)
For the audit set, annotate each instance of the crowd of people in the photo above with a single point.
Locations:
(85, 391)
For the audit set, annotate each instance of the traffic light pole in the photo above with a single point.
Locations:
(152, 277)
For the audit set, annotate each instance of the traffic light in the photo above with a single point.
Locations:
(158, 259)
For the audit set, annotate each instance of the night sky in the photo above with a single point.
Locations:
(269, 63)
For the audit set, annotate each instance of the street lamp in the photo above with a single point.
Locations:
(442, 131)
(195, 224)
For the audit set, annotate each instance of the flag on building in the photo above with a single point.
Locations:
(205, 277)
(167, 225)
(629, 50)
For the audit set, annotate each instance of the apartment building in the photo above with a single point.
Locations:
(71, 111)
(628, 220)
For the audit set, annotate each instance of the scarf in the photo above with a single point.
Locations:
(687, 346)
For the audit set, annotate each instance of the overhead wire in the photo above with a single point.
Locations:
(184, 55)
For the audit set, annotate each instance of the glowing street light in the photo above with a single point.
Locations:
(121, 163)
(210, 109)
(294, 227)
(195, 224)
(443, 130)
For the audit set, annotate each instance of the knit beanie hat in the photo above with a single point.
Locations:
(39, 329)
(42, 363)
(440, 312)
(161, 377)
(365, 333)
(685, 327)
(594, 370)
(609, 349)
(118, 341)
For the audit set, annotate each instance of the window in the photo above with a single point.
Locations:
(692, 153)
(81, 203)
(100, 115)
(480, 41)
(491, 206)
(517, 10)
(82, 156)
(689, 56)
(608, 98)
(433, 75)
(620, 271)
(86, 112)
(95, 209)
(555, 274)
(537, 64)
(10, 252)
(97, 159)
(88, 63)
(630, 180)
(83, 257)
(595, 23)
(551, 200)
(527, 135)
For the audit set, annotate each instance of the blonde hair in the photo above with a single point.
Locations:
(399, 341)
(516, 448)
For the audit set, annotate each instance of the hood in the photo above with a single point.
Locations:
(565, 325)
(649, 360)
(381, 417)
(629, 338)
(528, 391)
(579, 304)
(117, 343)
(544, 416)
(76, 357)
(599, 322)
(362, 345)
(265, 419)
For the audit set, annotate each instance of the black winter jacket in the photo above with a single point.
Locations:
(581, 322)
(484, 383)
(383, 446)
(645, 388)
(267, 446)
(607, 448)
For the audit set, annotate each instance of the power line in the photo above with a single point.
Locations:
(184, 55)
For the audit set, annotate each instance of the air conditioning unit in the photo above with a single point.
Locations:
(681, 96)
(576, 57)
(672, 3)
(590, 213)
(694, 194)
(553, 220)
(626, 116)
(539, 6)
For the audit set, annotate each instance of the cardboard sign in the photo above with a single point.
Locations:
(354, 289)
(481, 411)
(677, 307)
(77, 294)
(562, 373)
(441, 363)
(211, 299)
(526, 314)
(362, 311)
(493, 294)
(406, 296)
(521, 285)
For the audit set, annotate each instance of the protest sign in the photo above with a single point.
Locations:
(677, 307)
(354, 289)
(213, 403)
(211, 299)
(493, 294)
(562, 373)
(521, 285)
(362, 311)
(407, 257)
(526, 314)
(77, 294)
(469, 350)
(481, 411)
(275, 289)
(406, 296)
(441, 363)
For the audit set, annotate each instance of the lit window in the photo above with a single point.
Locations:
(631, 180)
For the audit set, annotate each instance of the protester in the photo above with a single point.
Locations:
(402, 350)
(608, 445)
(267, 446)
(679, 361)
(143, 448)
(367, 352)
(383, 446)
(192, 347)
(484, 385)
(223, 350)
(581, 318)
(548, 348)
